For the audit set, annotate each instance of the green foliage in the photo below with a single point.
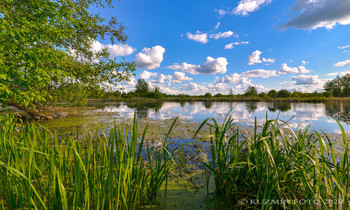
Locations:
(142, 87)
(157, 93)
(72, 93)
(276, 164)
(263, 95)
(39, 170)
(46, 44)
(272, 93)
(297, 94)
(251, 91)
(284, 94)
(327, 94)
(207, 95)
(339, 86)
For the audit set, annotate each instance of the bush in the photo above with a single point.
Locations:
(251, 91)
(327, 94)
(263, 95)
(275, 164)
(272, 93)
(207, 95)
(283, 94)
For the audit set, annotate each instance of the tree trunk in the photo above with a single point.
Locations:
(31, 112)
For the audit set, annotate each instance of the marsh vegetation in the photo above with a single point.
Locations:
(122, 170)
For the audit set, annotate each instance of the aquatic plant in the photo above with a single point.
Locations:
(121, 170)
(42, 171)
(276, 164)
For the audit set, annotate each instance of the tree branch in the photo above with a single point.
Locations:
(32, 113)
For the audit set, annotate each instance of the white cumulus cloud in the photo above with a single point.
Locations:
(217, 25)
(260, 73)
(268, 60)
(179, 77)
(161, 78)
(196, 89)
(220, 12)
(234, 78)
(247, 6)
(285, 69)
(303, 62)
(114, 50)
(222, 35)
(150, 58)
(231, 45)
(344, 47)
(313, 14)
(120, 50)
(255, 58)
(211, 66)
(345, 72)
(198, 37)
(342, 63)
(332, 74)
(146, 75)
(307, 80)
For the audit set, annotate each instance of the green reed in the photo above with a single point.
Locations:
(276, 164)
(42, 171)
(120, 170)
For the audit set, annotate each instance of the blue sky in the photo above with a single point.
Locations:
(201, 46)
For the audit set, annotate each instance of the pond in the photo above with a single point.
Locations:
(320, 116)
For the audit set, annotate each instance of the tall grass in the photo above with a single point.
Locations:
(270, 165)
(39, 170)
(121, 171)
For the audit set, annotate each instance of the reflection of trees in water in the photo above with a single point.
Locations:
(339, 111)
(104, 105)
(207, 104)
(281, 106)
(142, 108)
(182, 103)
(251, 106)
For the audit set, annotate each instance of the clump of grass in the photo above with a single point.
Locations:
(272, 165)
(120, 171)
(39, 170)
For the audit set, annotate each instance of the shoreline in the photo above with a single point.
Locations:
(223, 99)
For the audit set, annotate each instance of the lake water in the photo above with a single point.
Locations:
(320, 116)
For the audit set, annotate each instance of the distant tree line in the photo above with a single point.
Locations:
(142, 90)
(252, 91)
(338, 87)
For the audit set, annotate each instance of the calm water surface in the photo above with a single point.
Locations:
(320, 116)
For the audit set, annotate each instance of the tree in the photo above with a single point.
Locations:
(142, 87)
(339, 86)
(272, 93)
(263, 95)
(297, 94)
(231, 92)
(47, 44)
(157, 93)
(284, 94)
(207, 95)
(327, 94)
(251, 91)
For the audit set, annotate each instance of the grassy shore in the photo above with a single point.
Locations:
(227, 99)
(119, 170)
